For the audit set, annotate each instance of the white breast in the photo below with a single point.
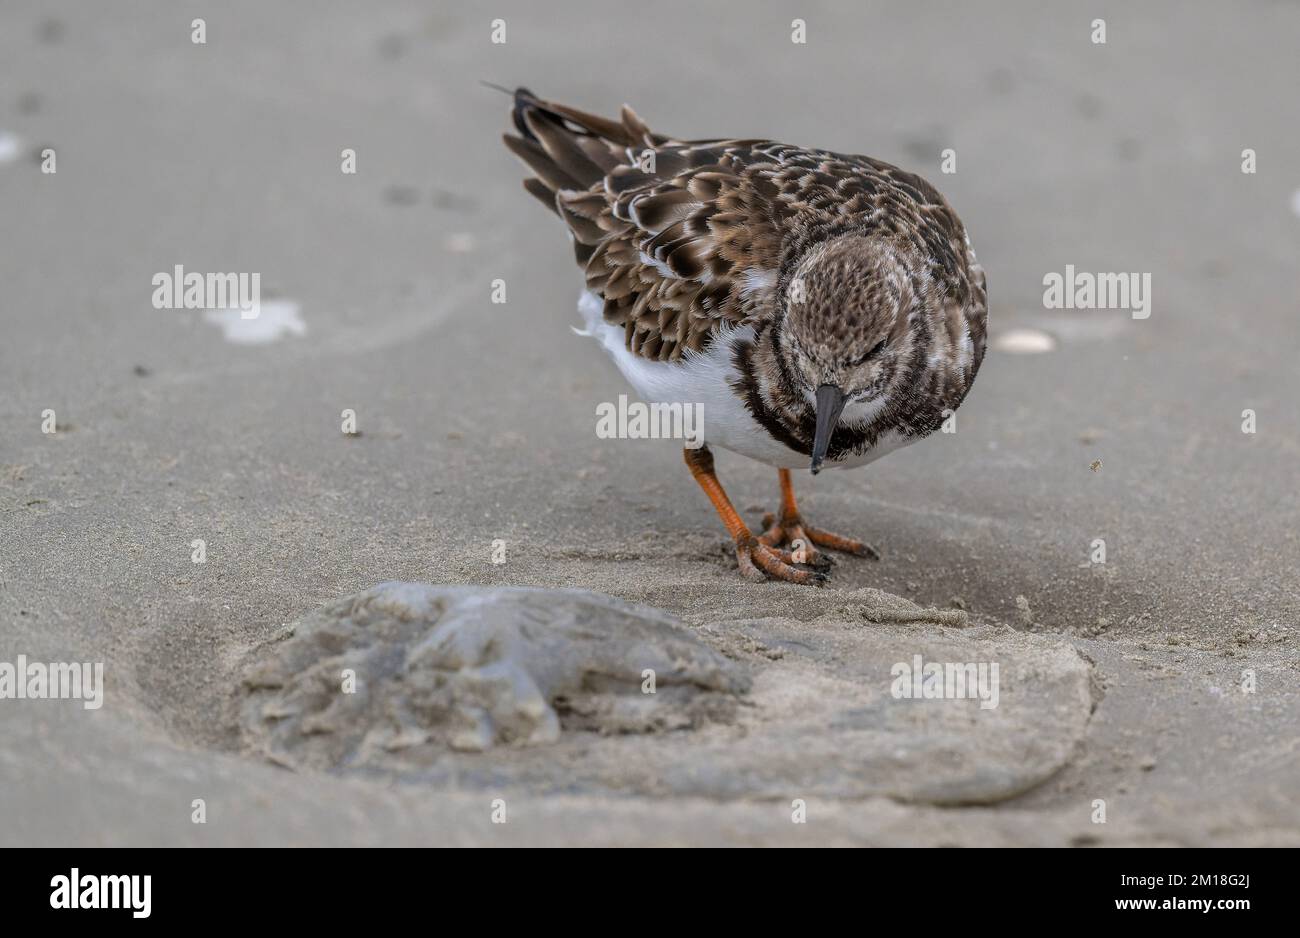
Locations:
(707, 378)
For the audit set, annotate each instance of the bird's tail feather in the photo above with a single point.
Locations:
(567, 148)
(570, 151)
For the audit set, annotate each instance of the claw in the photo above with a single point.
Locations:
(753, 555)
(845, 545)
(823, 563)
(803, 539)
(766, 555)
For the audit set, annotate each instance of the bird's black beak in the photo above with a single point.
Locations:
(830, 402)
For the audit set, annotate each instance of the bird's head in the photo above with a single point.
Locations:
(844, 335)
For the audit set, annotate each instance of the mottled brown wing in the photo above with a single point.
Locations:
(689, 237)
(675, 236)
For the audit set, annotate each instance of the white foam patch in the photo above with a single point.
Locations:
(274, 320)
(10, 147)
(1025, 342)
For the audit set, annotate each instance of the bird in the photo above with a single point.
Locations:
(825, 309)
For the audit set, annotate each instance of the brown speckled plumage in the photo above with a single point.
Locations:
(814, 273)
(669, 249)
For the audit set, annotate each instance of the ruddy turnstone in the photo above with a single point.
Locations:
(825, 309)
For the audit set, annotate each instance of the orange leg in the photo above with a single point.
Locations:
(791, 529)
(755, 558)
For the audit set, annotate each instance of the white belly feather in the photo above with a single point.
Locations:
(707, 378)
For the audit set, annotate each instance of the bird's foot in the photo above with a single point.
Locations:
(759, 561)
(803, 540)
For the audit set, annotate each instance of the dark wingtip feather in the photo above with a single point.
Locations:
(544, 195)
(523, 98)
(532, 153)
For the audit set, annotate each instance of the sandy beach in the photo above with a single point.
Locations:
(180, 502)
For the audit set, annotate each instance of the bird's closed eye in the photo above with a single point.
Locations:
(875, 350)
